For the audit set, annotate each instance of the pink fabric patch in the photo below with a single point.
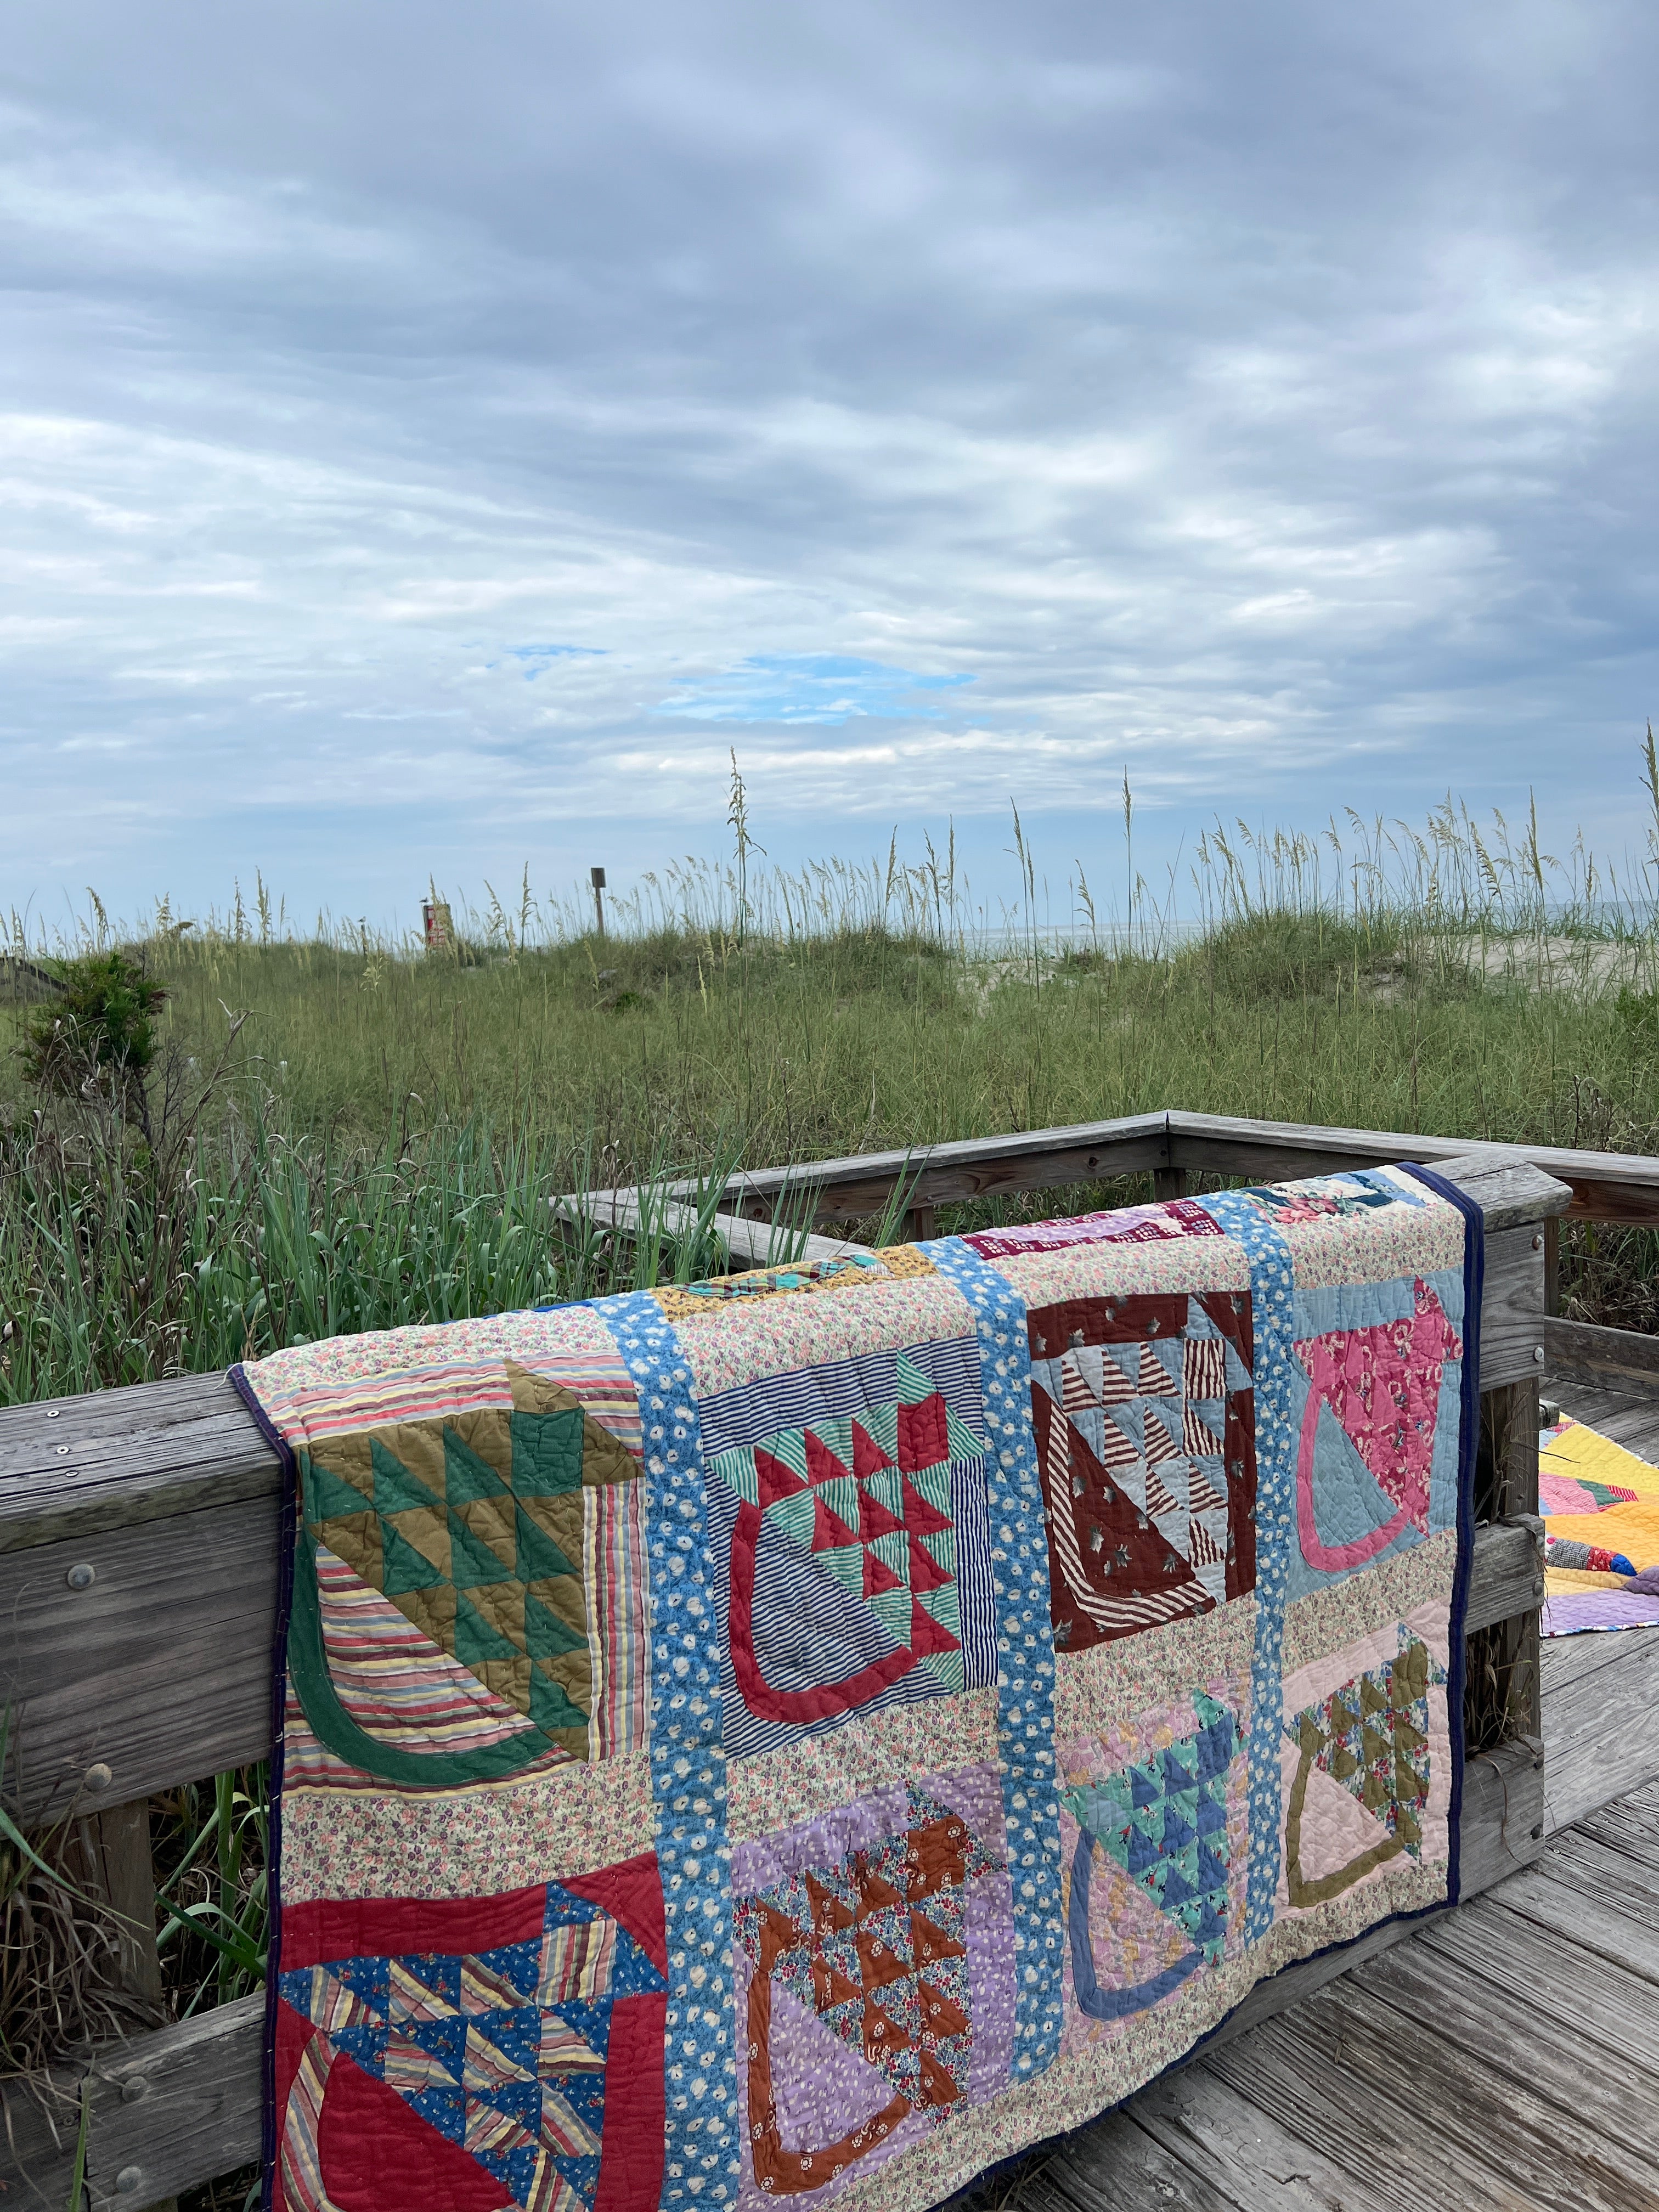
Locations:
(1382, 1383)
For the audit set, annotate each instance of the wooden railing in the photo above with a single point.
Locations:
(139, 1555)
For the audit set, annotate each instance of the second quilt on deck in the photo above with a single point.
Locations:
(813, 1735)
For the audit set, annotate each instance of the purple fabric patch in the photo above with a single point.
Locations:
(1602, 1608)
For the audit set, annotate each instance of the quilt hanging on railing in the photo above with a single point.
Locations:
(814, 1735)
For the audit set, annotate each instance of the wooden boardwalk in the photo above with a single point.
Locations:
(1504, 2058)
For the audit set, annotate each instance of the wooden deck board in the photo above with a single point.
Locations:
(1515, 2040)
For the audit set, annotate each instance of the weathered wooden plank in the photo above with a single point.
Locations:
(1473, 2110)
(1506, 1574)
(72, 1466)
(750, 1243)
(1507, 1951)
(1601, 1722)
(1132, 2172)
(1568, 2068)
(1286, 2075)
(1099, 1149)
(1503, 1825)
(1605, 1185)
(195, 2115)
(1512, 1309)
(1615, 1358)
(1201, 2121)
(951, 1175)
(1601, 1869)
(1548, 1895)
(155, 1674)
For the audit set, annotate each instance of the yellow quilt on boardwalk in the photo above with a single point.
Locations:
(1600, 1507)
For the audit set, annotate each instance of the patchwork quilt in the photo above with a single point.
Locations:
(813, 1735)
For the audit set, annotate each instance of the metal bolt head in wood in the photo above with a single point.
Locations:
(82, 1576)
(135, 2085)
(128, 2179)
(97, 1778)
(1537, 1355)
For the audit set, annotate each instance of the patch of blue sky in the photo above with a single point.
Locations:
(537, 658)
(810, 687)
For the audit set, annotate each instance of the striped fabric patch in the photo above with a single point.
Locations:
(614, 1574)
(395, 1682)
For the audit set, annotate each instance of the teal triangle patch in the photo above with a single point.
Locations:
(396, 1490)
(736, 1469)
(547, 1455)
(841, 1495)
(538, 1555)
(545, 1635)
(465, 1475)
(962, 1442)
(913, 1385)
(475, 1639)
(934, 1484)
(845, 1563)
(894, 1553)
(402, 1567)
(793, 1518)
(472, 1562)
(550, 1705)
(892, 1609)
(327, 1497)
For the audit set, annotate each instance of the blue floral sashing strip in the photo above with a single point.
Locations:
(1273, 1302)
(1025, 1649)
(688, 1766)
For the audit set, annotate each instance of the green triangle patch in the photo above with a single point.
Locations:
(793, 1518)
(402, 1567)
(328, 1498)
(540, 1556)
(472, 1562)
(934, 1484)
(892, 1609)
(396, 1490)
(894, 1553)
(960, 1438)
(913, 1385)
(465, 1475)
(736, 1469)
(475, 1639)
(845, 1563)
(545, 1635)
(550, 1705)
(841, 1495)
(547, 1454)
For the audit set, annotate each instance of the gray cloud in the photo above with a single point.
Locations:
(1261, 398)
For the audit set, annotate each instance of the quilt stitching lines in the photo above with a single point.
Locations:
(1025, 1684)
(1273, 1314)
(687, 1764)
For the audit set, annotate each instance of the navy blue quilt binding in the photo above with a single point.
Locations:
(1475, 1284)
(288, 1537)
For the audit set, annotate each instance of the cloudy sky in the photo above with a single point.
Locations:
(432, 438)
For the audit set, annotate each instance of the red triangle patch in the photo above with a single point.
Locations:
(926, 1634)
(924, 1519)
(926, 1573)
(822, 1465)
(366, 2130)
(923, 1438)
(829, 1531)
(874, 1519)
(867, 1454)
(775, 1480)
(878, 1576)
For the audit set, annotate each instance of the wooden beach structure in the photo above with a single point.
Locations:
(139, 1567)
